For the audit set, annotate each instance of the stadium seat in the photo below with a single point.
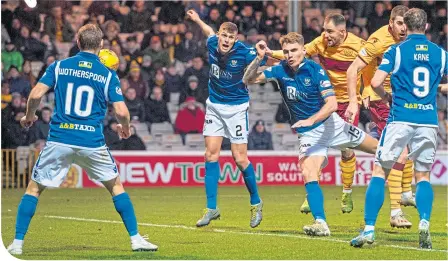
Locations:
(194, 140)
(153, 147)
(140, 126)
(289, 141)
(171, 139)
(174, 97)
(259, 107)
(36, 66)
(281, 128)
(173, 116)
(172, 107)
(161, 128)
(273, 97)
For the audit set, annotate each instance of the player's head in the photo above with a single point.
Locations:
(293, 48)
(227, 36)
(396, 22)
(90, 38)
(335, 29)
(415, 20)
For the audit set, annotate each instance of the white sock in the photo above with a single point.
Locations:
(423, 223)
(17, 242)
(347, 191)
(321, 221)
(135, 237)
(407, 194)
(369, 228)
(394, 212)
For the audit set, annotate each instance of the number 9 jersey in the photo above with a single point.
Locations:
(417, 66)
(83, 86)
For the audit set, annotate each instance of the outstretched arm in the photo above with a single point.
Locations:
(33, 103)
(206, 29)
(252, 75)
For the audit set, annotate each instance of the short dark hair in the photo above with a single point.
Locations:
(415, 20)
(46, 108)
(89, 37)
(398, 10)
(337, 19)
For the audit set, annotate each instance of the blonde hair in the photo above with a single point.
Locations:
(229, 27)
(291, 38)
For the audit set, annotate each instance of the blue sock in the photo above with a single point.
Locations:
(124, 207)
(251, 184)
(315, 200)
(374, 200)
(211, 183)
(27, 208)
(424, 197)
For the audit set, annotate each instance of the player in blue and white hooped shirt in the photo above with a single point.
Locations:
(310, 98)
(83, 86)
(227, 114)
(417, 66)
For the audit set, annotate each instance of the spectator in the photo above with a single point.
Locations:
(123, 68)
(124, 85)
(31, 49)
(188, 48)
(6, 95)
(159, 56)
(139, 19)
(57, 27)
(50, 45)
(17, 83)
(440, 20)
(148, 71)
(132, 51)
(10, 56)
(111, 137)
(443, 37)
(28, 16)
(14, 30)
(169, 45)
(229, 16)
(17, 105)
(116, 48)
(41, 127)
(190, 118)
(114, 13)
(252, 37)
(199, 70)
(282, 115)
(111, 31)
(136, 81)
(192, 90)
(135, 105)
(173, 82)
(214, 20)
(133, 142)
(28, 74)
(50, 59)
(172, 12)
(156, 108)
(378, 18)
(13, 135)
(5, 37)
(274, 42)
(313, 31)
(259, 138)
(247, 21)
(270, 23)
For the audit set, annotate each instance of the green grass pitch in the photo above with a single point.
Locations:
(83, 224)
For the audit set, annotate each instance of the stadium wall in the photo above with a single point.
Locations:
(273, 168)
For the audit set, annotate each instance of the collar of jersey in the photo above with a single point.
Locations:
(90, 55)
(417, 36)
(300, 66)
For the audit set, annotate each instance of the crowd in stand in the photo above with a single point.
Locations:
(162, 54)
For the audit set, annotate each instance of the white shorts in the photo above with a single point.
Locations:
(229, 121)
(422, 142)
(55, 160)
(333, 133)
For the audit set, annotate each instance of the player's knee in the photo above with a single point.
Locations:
(347, 154)
(241, 159)
(310, 174)
(421, 176)
(378, 171)
(211, 155)
(34, 189)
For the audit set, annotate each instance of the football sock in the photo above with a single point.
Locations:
(211, 183)
(251, 184)
(124, 207)
(374, 200)
(348, 168)
(315, 200)
(424, 198)
(25, 213)
(394, 183)
(408, 174)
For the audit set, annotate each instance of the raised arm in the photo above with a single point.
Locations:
(252, 75)
(206, 29)
(33, 103)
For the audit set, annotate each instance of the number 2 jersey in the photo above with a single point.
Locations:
(417, 66)
(83, 86)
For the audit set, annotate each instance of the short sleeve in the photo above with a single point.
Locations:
(325, 87)
(269, 73)
(372, 49)
(49, 77)
(388, 61)
(212, 40)
(251, 53)
(311, 48)
(445, 72)
(114, 90)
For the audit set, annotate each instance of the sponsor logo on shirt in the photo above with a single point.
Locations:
(421, 47)
(419, 106)
(85, 64)
(80, 127)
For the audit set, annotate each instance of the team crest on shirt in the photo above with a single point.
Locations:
(233, 63)
(118, 91)
(307, 81)
(321, 71)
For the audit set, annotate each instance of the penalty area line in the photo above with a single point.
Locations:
(238, 232)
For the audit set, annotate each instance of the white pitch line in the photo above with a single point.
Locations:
(238, 232)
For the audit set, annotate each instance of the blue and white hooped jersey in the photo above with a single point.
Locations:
(226, 72)
(83, 86)
(304, 91)
(417, 66)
